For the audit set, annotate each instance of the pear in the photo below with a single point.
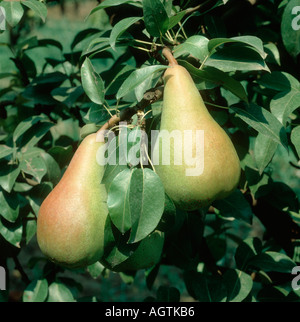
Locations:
(71, 220)
(211, 169)
(147, 254)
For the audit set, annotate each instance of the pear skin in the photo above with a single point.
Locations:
(71, 220)
(219, 169)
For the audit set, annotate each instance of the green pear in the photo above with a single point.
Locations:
(147, 254)
(215, 170)
(71, 220)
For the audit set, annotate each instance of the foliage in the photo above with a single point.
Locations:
(242, 248)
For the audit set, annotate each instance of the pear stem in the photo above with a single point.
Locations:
(110, 123)
(169, 56)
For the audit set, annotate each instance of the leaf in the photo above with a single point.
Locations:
(147, 201)
(264, 150)
(58, 292)
(67, 95)
(270, 261)
(238, 283)
(279, 81)
(237, 58)
(39, 8)
(234, 206)
(174, 20)
(195, 46)
(83, 35)
(13, 12)
(53, 172)
(218, 77)
(136, 78)
(116, 247)
(9, 206)
(11, 232)
(121, 27)
(168, 294)
(255, 42)
(290, 28)
(95, 270)
(26, 125)
(8, 176)
(284, 104)
(205, 288)
(35, 167)
(5, 151)
(263, 121)
(155, 17)
(295, 138)
(247, 250)
(110, 3)
(117, 201)
(36, 291)
(35, 134)
(92, 83)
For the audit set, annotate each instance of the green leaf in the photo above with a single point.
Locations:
(39, 8)
(111, 3)
(174, 20)
(13, 12)
(117, 249)
(11, 232)
(255, 42)
(237, 58)
(26, 125)
(38, 194)
(273, 262)
(155, 17)
(263, 121)
(259, 185)
(30, 227)
(96, 114)
(117, 201)
(168, 294)
(36, 291)
(118, 79)
(206, 288)
(247, 250)
(120, 28)
(238, 283)
(5, 151)
(290, 30)
(284, 104)
(264, 150)
(53, 172)
(9, 206)
(235, 206)
(295, 138)
(218, 77)
(35, 134)
(35, 167)
(92, 82)
(83, 35)
(67, 95)
(147, 201)
(95, 270)
(136, 78)
(8, 176)
(58, 292)
(279, 81)
(195, 46)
